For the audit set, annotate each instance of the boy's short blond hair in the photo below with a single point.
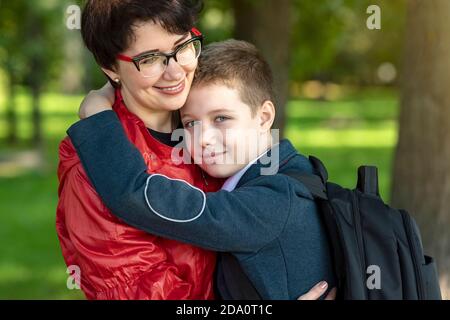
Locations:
(238, 65)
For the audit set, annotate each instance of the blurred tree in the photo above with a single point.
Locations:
(30, 38)
(326, 41)
(267, 24)
(73, 51)
(330, 40)
(9, 41)
(82, 74)
(422, 164)
(11, 115)
(216, 20)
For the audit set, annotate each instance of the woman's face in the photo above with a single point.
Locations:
(165, 92)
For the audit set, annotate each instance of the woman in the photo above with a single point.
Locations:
(118, 261)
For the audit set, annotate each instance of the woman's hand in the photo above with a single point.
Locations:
(97, 101)
(317, 291)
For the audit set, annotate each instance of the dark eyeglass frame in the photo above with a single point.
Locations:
(197, 36)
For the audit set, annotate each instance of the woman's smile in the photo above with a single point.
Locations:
(172, 90)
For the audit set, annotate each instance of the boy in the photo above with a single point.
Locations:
(265, 219)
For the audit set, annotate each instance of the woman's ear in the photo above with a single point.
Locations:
(112, 75)
(266, 114)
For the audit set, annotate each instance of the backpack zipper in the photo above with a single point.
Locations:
(409, 234)
(359, 238)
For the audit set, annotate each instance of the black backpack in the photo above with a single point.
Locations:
(377, 250)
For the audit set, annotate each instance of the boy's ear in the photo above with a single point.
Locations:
(266, 114)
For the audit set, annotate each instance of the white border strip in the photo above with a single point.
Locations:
(167, 218)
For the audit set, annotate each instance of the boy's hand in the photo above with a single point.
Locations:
(317, 291)
(97, 101)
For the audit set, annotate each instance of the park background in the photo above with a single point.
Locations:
(348, 93)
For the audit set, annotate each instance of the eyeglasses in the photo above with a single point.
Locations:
(154, 64)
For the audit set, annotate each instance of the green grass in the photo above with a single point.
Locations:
(31, 264)
(358, 129)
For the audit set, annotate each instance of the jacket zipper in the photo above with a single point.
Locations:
(204, 178)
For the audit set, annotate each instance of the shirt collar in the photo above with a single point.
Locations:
(231, 183)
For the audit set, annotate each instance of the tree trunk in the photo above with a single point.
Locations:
(89, 67)
(37, 68)
(11, 116)
(267, 24)
(36, 116)
(72, 77)
(421, 177)
(35, 86)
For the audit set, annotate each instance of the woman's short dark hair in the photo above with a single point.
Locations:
(107, 25)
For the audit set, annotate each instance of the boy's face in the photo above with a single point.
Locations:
(222, 135)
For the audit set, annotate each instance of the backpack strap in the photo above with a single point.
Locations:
(312, 182)
(315, 183)
(320, 168)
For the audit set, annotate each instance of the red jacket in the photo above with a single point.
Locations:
(116, 260)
